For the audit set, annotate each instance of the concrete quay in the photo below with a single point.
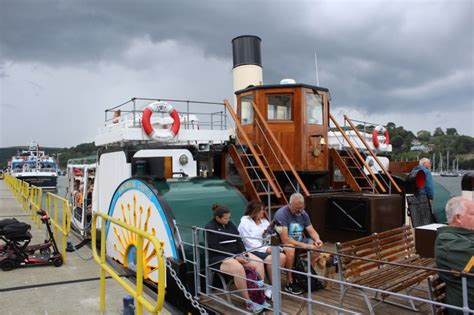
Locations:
(35, 290)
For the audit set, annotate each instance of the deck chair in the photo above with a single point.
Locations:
(419, 210)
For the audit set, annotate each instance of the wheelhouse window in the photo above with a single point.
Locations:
(279, 107)
(246, 110)
(314, 109)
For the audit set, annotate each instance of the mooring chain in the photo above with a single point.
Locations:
(187, 295)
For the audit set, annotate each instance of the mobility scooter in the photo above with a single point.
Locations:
(16, 252)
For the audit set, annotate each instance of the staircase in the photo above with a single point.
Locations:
(354, 166)
(253, 166)
(256, 185)
(352, 170)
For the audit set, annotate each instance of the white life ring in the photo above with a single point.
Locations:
(161, 135)
(375, 137)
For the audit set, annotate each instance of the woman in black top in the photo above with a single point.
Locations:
(234, 258)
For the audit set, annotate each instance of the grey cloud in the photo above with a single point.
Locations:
(377, 57)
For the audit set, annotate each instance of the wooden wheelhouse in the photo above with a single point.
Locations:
(298, 116)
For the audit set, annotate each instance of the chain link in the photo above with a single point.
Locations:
(187, 295)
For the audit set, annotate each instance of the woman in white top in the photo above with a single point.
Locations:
(251, 228)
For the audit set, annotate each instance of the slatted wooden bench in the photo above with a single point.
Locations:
(437, 290)
(395, 245)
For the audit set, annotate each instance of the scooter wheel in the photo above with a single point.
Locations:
(8, 265)
(58, 262)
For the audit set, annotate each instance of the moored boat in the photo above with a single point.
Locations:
(34, 167)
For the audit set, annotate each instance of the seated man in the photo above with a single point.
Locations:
(454, 248)
(295, 220)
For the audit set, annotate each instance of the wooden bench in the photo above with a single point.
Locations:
(395, 245)
(437, 290)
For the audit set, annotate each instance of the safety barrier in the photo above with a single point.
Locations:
(137, 293)
(36, 197)
(59, 211)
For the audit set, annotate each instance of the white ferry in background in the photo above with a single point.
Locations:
(35, 167)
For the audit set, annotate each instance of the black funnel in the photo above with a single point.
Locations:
(246, 50)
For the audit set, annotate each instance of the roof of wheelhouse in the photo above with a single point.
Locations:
(275, 86)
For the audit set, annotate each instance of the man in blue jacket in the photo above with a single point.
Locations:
(425, 166)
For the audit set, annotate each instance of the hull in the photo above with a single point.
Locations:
(40, 181)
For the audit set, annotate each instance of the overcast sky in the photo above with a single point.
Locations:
(62, 63)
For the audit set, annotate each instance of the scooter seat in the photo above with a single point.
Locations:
(5, 222)
(20, 237)
(16, 230)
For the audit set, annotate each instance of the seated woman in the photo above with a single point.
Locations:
(231, 257)
(251, 228)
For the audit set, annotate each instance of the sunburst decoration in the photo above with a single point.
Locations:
(127, 241)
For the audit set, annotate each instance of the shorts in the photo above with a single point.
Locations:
(261, 255)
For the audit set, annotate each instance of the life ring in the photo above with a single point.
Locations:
(161, 135)
(375, 137)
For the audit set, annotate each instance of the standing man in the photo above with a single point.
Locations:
(425, 166)
(294, 221)
(454, 248)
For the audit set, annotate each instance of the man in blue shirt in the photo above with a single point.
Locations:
(294, 220)
(425, 166)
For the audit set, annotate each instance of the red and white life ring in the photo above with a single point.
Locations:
(375, 137)
(161, 135)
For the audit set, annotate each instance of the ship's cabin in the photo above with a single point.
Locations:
(297, 115)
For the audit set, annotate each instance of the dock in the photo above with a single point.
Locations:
(72, 288)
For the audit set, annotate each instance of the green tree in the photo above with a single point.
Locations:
(451, 132)
(438, 132)
(391, 126)
(423, 135)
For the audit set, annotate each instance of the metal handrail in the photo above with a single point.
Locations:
(36, 196)
(280, 150)
(252, 149)
(276, 274)
(392, 181)
(361, 159)
(62, 223)
(136, 292)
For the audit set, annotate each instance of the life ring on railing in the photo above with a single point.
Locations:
(375, 137)
(161, 135)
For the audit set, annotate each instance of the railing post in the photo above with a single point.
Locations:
(102, 270)
(276, 279)
(197, 284)
(206, 262)
(465, 304)
(139, 273)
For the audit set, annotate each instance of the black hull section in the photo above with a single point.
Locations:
(41, 181)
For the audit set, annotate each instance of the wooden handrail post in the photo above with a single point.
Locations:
(379, 184)
(373, 154)
(280, 149)
(252, 149)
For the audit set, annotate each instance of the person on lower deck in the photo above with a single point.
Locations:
(294, 221)
(454, 249)
(232, 257)
(251, 228)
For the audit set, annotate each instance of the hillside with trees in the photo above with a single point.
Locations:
(460, 147)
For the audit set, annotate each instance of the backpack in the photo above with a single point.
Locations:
(256, 296)
(302, 280)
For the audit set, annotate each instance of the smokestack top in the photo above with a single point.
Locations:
(246, 50)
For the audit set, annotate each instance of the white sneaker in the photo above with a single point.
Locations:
(268, 293)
